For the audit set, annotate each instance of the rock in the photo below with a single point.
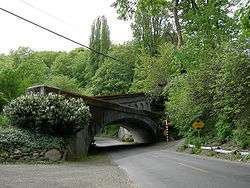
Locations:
(17, 156)
(17, 152)
(53, 155)
(35, 154)
(42, 153)
(25, 158)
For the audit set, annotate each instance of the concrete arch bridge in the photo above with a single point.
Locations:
(131, 111)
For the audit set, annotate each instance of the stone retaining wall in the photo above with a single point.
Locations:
(49, 154)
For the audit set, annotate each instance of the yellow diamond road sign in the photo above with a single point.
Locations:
(198, 124)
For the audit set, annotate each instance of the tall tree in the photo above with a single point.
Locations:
(152, 24)
(177, 23)
(100, 41)
(114, 77)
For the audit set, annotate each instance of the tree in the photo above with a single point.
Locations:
(152, 74)
(152, 24)
(72, 65)
(9, 82)
(114, 77)
(47, 57)
(31, 73)
(100, 42)
(209, 24)
(20, 55)
(63, 82)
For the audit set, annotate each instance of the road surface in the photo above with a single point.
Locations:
(160, 166)
(157, 166)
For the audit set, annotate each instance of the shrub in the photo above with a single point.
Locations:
(241, 135)
(12, 138)
(3, 121)
(223, 130)
(3, 101)
(51, 114)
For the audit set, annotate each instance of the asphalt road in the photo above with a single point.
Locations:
(157, 166)
(161, 167)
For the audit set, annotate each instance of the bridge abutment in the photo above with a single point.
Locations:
(79, 144)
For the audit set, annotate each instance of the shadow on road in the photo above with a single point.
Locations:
(119, 149)
(123, 150)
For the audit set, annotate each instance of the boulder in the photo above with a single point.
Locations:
(53, 155)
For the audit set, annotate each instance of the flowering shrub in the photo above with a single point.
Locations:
(50, 114)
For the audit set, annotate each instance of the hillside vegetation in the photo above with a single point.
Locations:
(193, 54)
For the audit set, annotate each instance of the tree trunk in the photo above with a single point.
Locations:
(177, 24)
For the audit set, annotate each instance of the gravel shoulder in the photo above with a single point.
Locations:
(87, 174)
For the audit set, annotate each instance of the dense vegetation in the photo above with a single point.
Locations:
(48, 114)
(193, 53)
(12, 138)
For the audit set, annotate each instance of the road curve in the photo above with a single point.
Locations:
(161, 167)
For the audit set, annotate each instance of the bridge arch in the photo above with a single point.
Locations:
(142, 130)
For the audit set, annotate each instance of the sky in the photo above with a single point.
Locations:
(72, 18)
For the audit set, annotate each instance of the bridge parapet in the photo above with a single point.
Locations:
(135, 100)
(116, 102)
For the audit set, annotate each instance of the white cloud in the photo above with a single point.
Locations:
(71, 18)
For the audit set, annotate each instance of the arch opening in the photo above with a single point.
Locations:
(141, 131)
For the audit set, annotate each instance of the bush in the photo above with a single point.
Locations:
(12, 138)
(223, 130)
(3, 121)
(50, 114)
(241, 135)
(3, 101)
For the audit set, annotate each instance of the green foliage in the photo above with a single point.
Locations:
(244, 14)
(12, 138)
(209, 24)
(223, 129)
(180, 107)
(111, 130)
(9, 84)
(31, 73)
(20, 55)
(114, 77)
(4, 122)
(51, 114)
(241, 135)
(215, 85)
(150, 22)
(46, 57)
(72, 65)
(208, 74)
(231, 87)
(63, 82)
(3, 101)
(152, 74)
(99, 41)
